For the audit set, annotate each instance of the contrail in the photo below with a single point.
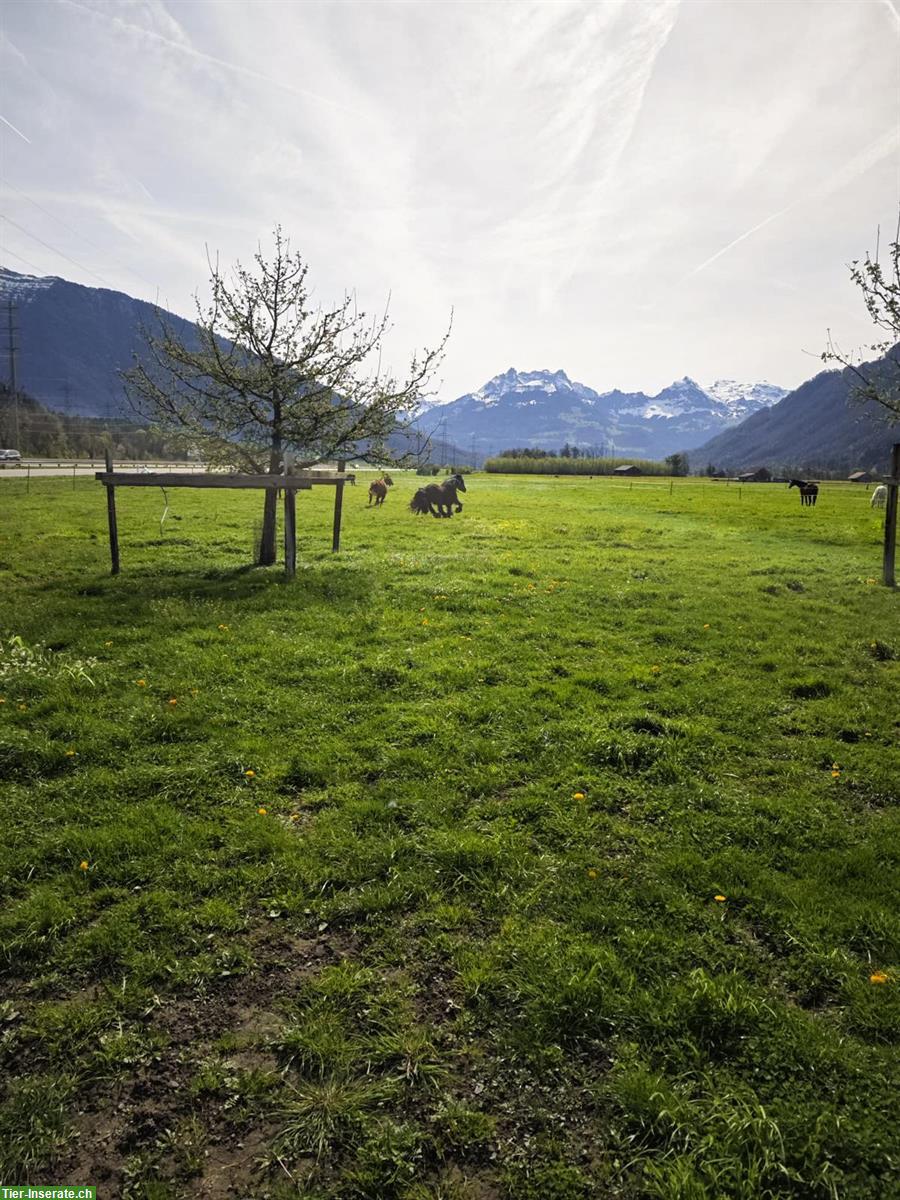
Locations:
(880, 148)
(738, 240)
(210, 58)
(18, 131)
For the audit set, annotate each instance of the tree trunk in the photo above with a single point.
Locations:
(267, 546)
(268, 551)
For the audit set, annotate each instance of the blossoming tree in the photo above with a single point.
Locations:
(266, 374)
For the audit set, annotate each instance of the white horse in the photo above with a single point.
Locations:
(879, 496)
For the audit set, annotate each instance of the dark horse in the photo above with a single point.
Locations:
(378, 489)
(438, 498)
(808, 491)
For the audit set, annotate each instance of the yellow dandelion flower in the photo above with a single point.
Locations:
(83, 865)
(706, 627)
(592, 874)
(141, 682)
(578, 796)
(223, 627)
(2, 701)
(295, 816)
(720, 899)
(23, 708)
(835, 766)
(835, 774)
(250, 774)
(262, 811)
(107, 643)
(70, 754)
(173, 701)
(425, 622)
(878, 977)
(656, 670)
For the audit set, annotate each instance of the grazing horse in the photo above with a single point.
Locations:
(879, 496)
(378, 489)
(808, 491)
(438, 498)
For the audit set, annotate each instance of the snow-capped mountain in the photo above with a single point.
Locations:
(546, 408)
(745, 398)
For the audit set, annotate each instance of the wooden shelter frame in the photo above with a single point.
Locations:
(289, 482)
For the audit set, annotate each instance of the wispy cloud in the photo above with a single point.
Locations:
(183, 47)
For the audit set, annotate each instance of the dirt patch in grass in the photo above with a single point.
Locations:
(163, 1123)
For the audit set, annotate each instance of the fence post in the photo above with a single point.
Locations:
(111, 515)
(890, 519)
(338, 505)
(290, 532)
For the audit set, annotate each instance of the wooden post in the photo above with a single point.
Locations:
(338, 505)
(290, 532)
(890, 519)
(111, 514)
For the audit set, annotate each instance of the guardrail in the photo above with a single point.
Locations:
(91, 463)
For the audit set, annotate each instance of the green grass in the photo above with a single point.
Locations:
(335, 923)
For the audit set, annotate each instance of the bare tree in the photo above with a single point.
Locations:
(877, 381)
(264, 373)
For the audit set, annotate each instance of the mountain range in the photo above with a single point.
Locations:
(546, 408)
(72, 342)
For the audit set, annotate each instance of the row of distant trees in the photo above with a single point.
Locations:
(571, 460)
(556, 464)
(36, 432)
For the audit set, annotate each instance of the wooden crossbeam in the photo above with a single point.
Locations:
(299, 482)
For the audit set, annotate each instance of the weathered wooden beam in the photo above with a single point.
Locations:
(338, 506)
(189, 479)
(111, 517)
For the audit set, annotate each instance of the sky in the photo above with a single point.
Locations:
(628, 190)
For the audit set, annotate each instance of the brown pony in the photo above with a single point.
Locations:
(439, 498)
(378, 489)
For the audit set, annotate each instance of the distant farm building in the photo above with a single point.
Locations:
(627, 469)
(761, 475)
(861, 477)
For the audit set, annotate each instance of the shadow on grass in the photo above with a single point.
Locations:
(336, 585)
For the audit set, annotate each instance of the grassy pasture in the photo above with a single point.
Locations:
(400, 880)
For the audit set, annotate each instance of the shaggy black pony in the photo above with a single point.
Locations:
(439, 498)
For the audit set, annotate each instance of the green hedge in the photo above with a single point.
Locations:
(571, 466)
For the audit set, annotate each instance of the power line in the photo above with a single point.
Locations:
(78, 234)
(6, 250)
(54, 250)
